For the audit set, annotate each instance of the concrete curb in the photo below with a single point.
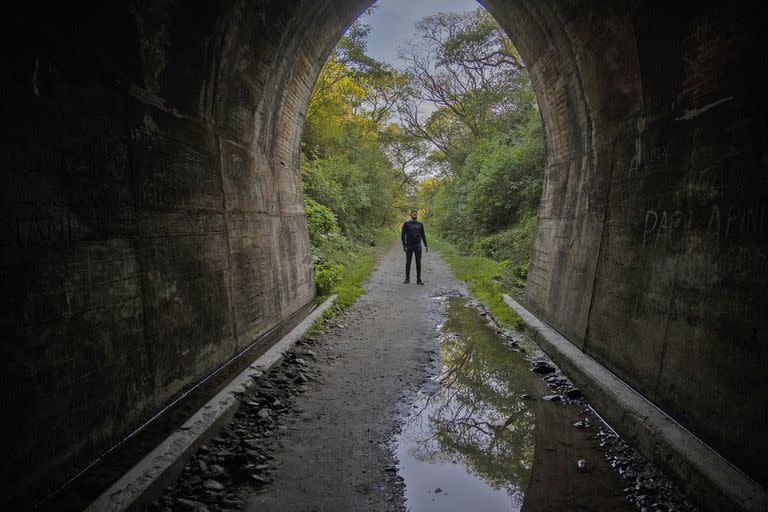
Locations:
(699, 470)
(140, 486)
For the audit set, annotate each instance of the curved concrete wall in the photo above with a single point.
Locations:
(651, 252)
(153, 216)
(154, 219)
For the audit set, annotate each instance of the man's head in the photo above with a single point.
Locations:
(414, 214)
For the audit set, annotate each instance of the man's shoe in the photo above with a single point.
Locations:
(419, 282)
(406, 281)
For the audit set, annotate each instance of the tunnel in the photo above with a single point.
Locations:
(154, 220)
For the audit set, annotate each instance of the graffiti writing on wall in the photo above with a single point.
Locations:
(718, 226)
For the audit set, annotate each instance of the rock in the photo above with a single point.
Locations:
(245, 471)
(372, 243)
(203, 466)
(253, 444)
(190, 505)
(258, 479)
(573, 393)
(235, 460)
(217, 470)
(264, 413)
(552, 398)
(526, 396)
(254, 454)
(542, 368)
(583, 465)
(581, 424)
(300, 378)
(213, 485)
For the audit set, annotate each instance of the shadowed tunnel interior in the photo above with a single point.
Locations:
(153, 217)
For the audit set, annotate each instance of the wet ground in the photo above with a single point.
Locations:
(415, 400)
(482, 436)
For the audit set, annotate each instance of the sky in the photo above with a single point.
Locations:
(393, 20)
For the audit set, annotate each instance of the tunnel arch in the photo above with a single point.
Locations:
(152, 200)
(620, 89)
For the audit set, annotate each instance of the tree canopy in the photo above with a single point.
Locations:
(455, 132)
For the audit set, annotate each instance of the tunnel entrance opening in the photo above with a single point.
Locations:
(447, 125)
(152, 199)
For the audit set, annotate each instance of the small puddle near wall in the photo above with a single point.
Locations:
(480, 437)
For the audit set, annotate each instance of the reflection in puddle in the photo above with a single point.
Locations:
(473, 441)
(469, 442)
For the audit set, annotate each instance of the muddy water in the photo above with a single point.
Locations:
(480, 436)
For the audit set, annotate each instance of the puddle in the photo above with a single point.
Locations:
(474, 440)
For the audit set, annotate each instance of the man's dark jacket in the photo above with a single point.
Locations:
(413, 233)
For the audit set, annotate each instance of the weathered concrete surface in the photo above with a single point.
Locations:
(153, 218)
(703, 474)
(145, 481)
(651, 250)
(153, 222)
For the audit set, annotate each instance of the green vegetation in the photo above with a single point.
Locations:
(351, 189)
(486, 279)
(483, 196)
(456, 134)
(357, 266)
(490, 144)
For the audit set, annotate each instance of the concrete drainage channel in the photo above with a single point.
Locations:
(145, 481)
(699, 470)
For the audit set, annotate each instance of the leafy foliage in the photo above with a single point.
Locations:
(351, 188)
(486, 131)
(457, 135)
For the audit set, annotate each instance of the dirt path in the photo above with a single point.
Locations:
(333, 454)
(316, 432)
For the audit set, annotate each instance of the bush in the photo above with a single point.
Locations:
(514, 244)
(320, 221)
(327, 276)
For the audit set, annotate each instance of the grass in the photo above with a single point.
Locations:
(484, 278)
(357, 267)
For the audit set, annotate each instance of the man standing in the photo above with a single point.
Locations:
(411, 236)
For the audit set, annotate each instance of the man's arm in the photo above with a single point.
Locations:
(424, 237)
(402, 235)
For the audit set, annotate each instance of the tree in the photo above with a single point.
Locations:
(406, 152)
(466, 69)
(471, 100)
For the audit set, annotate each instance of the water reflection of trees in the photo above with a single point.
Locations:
(477, 416)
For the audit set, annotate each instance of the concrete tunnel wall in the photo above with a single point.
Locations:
(154, 221)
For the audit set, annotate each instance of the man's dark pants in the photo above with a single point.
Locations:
(410, 250)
